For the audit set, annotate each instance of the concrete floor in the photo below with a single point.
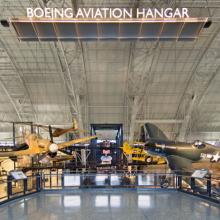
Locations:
(116, 204)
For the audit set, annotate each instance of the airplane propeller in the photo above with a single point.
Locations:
(39, 146)
(36, 145)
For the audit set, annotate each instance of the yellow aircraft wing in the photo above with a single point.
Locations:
(75, 141)
(42, 146)
(12, 153)
(27, 152)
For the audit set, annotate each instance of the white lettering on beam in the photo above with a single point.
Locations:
(105, 13)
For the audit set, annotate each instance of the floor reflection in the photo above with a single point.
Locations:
(128, 204)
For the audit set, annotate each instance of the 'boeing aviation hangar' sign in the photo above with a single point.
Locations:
(67, 24)
(107, 13)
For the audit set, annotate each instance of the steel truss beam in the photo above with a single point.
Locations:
(16, 70)
(199, 93)
(141, 87)
(73, 97)
(11, 100)
(75, 7)
(160, 121)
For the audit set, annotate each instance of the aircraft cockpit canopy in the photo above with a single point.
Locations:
(199, 144)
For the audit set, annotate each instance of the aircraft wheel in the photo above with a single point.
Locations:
(149, 159)
(164, 183)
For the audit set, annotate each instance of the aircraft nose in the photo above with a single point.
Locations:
(53, 148)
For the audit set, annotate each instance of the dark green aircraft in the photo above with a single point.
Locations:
(179, 155)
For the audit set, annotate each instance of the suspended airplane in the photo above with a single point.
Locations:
(179, 155)
(60, 131)
(37, 145)
(138, 153)
(57, 132)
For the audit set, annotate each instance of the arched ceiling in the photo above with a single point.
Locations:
(114, 81)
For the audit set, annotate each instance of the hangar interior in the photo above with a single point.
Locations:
(101, 92)
(113, 82)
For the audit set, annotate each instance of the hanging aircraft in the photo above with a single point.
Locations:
(57, 132)
(60, 131)
(179, 155)
(39, 146)
(140, 154)
(34, 144)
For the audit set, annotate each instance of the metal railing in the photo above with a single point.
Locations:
(135, 180)
(11, 189)
(202, 187)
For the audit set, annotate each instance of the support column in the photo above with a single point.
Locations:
(186, 122)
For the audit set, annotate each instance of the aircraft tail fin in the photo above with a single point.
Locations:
(126, 148)
(151, 131)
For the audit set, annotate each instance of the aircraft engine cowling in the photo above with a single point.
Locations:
(53, 149)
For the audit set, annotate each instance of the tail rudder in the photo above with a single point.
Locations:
(126, 147)
(151, 131)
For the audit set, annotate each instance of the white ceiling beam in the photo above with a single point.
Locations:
(185, 124)
(199, 92)
(13, 63)
(159, 121)
(137, 102)
(141, 87)
(86, 118)
(73, 97)
(11, 100)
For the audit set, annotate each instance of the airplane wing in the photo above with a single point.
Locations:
(8, 154)
(179, 163)
(75, 141)
(27, 152)
(2, 159)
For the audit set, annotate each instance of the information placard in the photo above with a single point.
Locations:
(199, 173)
(18, 175)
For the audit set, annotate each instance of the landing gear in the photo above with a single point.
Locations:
(149, 159)
(164, 182)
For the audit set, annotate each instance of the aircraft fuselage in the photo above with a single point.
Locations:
(181, 149)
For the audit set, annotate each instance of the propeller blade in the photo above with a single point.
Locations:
(75, 141)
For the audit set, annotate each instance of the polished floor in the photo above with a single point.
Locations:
(115, 204)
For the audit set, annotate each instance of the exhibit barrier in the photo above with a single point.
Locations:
(67, 181)
(12, 189)
(207, 188)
